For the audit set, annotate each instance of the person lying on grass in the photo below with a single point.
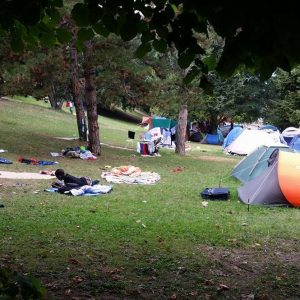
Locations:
(67, 181)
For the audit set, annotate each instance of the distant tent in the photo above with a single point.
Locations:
(256, 162)
(278, 185)
(295, 143)
(288, 134)
(232, 135)
(195, 137)
(251, 139)
(268, 127)
(213, 139)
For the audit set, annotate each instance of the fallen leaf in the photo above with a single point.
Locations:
(74, 261)
(223, 287)
(77, 279)
(232, 240)
(208, 282)
(68, 292)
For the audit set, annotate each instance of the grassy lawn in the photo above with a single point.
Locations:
(139, 241)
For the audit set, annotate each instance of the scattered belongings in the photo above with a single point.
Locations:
(215, 193)
(130, 175)
(2, 151)
(24, 175)
(76, 152)
(5, 161)
(86, 190)
(56, 154)
(34, 161)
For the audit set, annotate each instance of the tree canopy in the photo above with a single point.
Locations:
(258, 34)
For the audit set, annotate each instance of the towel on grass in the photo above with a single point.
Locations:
(86, 190)
(23, 175)
(134, 178)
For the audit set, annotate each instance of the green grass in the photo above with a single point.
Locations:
(138, 241)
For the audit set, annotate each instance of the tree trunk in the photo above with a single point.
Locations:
(181, 130)
(213, 125)
(77, 95)
(55, 103)
(90, 95)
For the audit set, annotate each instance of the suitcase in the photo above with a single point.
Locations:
(215, 194)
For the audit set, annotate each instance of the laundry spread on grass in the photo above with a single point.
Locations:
(86, 190)
(130, 175)
(23, 175)
(34, 161)
(75, 152)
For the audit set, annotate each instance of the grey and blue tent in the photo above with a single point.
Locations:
(255, 162)
(232, 135)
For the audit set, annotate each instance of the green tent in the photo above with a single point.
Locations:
(255, 162)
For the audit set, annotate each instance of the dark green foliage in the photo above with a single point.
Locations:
(284, 110)
(259, 36)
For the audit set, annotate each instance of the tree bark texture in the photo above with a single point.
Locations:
(77, 95)
(90, 95)
(181, 130)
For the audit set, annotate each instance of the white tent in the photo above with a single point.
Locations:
(249, 140)
(288, 134)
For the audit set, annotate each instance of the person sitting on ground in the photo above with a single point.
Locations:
(70, 181)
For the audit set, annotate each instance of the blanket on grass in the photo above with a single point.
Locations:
(23, 175)
(86, 190)
(130, 175)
